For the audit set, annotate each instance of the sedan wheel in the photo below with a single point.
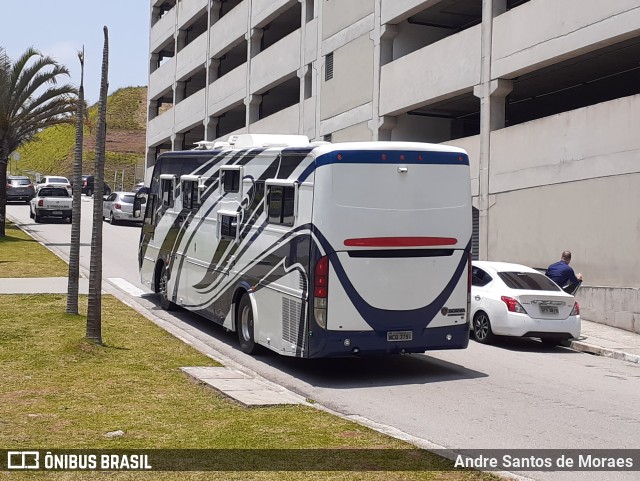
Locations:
(482, 328)
(112, 219)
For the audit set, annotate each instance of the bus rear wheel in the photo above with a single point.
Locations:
(163, 284)
(244, 325)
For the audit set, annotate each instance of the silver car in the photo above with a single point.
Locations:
(118, 206)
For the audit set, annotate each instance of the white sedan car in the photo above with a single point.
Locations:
(515, 300)
(118, 206)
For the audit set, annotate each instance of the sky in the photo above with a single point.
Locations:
(60, 28)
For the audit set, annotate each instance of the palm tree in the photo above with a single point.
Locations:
(74, 253)
(94, 302)
(30, 100)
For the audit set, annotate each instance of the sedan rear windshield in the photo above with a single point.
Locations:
(127, 198)
(528, 280)
(57, 180)
(20, 181)
(53, 193)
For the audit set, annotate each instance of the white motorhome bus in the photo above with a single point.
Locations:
(314, 249)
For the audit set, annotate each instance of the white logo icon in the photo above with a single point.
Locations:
(23, 460)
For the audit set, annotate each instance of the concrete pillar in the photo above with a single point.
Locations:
(179, 93)
(155, 15)
(499, 7)
(211, 129)
(214, 64)
(387, 34)
(308, 10)
(154, 62)
(385, 126)
(254, 39)
(153, 109)
(491, 94)
(304, 77)
(177, 142)
(253, 109)
(382, 37)
(214, 12)
(181, 39)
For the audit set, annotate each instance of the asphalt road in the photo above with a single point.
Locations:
(516, 394)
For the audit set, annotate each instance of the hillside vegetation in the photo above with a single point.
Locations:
(52, 150)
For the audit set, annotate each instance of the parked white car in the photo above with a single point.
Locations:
(118, 206)
(54, 181)
(515, 300)
(51, 202)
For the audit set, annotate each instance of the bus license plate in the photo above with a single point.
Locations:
(399, 336)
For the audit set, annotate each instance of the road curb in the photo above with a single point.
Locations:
(604, 351)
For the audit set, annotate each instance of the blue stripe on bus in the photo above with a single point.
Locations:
(392, 157)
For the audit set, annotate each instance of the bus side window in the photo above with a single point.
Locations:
(281, 203)
(228, 227)
(187, 194)
(230, 179)
(166, 192)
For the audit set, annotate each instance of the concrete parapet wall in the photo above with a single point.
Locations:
(613, 306)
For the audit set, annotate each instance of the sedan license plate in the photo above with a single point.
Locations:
(548, 309)
(57, 212)
(393, 336)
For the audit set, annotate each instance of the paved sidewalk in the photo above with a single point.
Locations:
(39, 285)
(608, 341)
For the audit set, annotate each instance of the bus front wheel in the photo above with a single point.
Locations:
(244, 325)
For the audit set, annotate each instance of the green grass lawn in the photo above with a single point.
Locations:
(58, 391)
(21, 256)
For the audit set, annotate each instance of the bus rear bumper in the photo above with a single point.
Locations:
(371, 343)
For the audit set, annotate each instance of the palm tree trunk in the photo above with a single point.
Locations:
(94, 311)
(74, 254)
(3, 193)
(4, 162)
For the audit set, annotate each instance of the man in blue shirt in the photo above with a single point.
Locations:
(563, 275)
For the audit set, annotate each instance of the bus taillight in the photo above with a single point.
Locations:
(321, 291)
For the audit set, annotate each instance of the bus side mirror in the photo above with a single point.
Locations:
(137, 202)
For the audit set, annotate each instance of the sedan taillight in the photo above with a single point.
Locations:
(513, 305)
(40, 203)
(118, 206)
(576, 310)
